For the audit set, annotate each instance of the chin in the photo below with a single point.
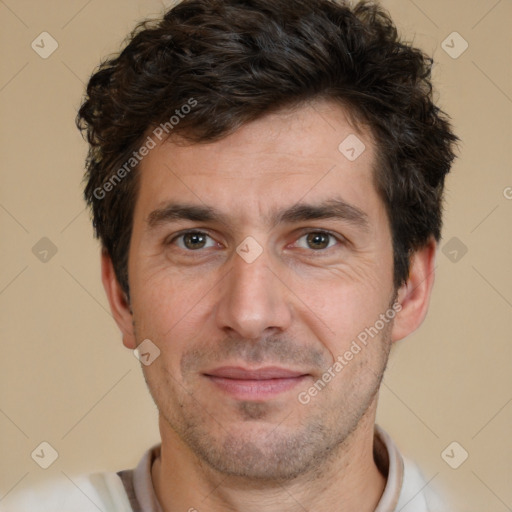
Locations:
(262, 451)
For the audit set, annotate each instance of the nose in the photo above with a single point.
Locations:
(254, 299)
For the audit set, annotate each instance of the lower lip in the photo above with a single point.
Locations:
(255, 389)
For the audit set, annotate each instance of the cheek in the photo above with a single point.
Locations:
(166, 386)
(347, 298)
(162, 293)
(349, 311)
(173, 310)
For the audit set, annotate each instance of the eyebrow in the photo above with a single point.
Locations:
(300, 212)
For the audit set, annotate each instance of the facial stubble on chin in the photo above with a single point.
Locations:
(265, 452)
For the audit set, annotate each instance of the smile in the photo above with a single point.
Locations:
(250, 384)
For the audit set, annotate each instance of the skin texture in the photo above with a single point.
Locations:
(298, 305)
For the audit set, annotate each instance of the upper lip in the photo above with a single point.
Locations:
(268, 372)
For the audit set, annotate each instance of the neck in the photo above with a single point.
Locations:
(348, 480)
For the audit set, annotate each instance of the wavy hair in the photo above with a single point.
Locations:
(242, 59)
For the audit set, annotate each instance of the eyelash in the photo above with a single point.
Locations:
(341, 240)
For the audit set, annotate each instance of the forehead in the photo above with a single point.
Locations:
(312, 152)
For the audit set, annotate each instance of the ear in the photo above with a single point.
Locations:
(119, 304)
(414, 295)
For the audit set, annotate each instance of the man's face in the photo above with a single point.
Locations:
(244, 335)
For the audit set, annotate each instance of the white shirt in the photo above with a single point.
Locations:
(132, 490)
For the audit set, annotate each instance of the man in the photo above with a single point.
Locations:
(266, 180)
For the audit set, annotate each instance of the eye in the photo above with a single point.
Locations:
(192, 240)
(318, 240)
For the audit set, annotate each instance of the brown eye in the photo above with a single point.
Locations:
(318, 240)
(193, 240)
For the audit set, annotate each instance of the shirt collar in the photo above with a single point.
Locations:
(385, 453)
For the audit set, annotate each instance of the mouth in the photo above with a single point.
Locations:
(254, 384)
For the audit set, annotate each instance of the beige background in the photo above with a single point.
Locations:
(67, 379)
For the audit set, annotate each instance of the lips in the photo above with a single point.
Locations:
(237, 373)
(254, 384)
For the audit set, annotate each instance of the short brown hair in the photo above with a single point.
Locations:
(241, 59)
